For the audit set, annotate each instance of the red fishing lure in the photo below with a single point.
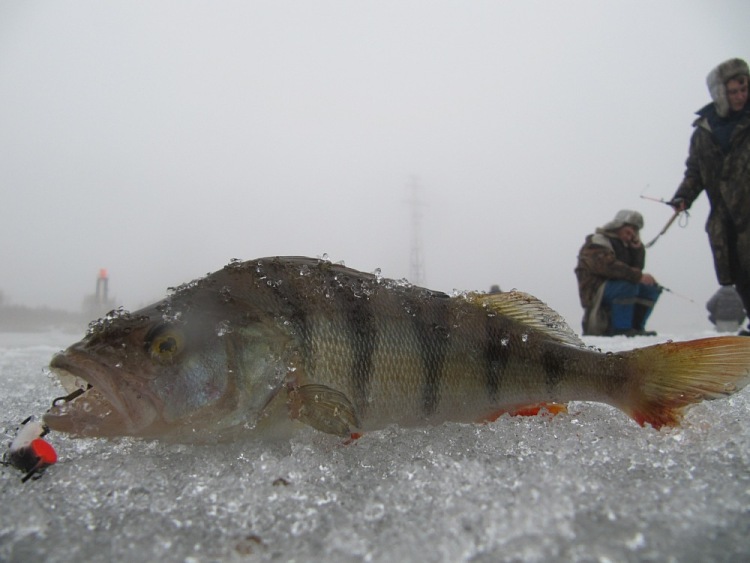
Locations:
(29, 452)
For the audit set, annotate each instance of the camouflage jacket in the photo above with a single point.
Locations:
(725, 176)
(604, 257)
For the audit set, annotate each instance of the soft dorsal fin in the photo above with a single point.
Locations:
(530, 311)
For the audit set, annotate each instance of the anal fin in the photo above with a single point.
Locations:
(550, 409)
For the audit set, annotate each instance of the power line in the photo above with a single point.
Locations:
(416, 259)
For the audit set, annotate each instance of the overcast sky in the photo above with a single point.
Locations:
(160, 139)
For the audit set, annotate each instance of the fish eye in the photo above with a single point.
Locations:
(164, 343)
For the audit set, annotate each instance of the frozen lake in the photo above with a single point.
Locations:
(589, 485)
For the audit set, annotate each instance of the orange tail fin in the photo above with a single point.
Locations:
(673, 375)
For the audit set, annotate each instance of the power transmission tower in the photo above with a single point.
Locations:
(416, 260)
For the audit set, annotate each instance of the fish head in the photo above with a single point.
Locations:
(194, 367)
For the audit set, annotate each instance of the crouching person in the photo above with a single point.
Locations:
(616, 294)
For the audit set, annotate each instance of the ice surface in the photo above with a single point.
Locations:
(587, 486)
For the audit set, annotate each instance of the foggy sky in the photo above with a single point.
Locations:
(161, 139)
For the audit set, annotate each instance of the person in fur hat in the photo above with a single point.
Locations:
(616, 294)
(719, 163)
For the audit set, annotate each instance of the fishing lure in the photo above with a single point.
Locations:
(29, 452)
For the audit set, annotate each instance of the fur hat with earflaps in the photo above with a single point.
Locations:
(625, 217)
(717, 82)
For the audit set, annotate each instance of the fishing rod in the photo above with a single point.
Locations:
(674, 216)
(656, 199)
(665, 229)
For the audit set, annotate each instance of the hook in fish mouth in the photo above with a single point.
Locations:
(94, 406)
(71, 396)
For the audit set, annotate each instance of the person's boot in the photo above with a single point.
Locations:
(640, 312)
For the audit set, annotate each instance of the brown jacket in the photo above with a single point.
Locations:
(604, 257)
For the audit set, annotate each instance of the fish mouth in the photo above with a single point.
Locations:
(99, 404)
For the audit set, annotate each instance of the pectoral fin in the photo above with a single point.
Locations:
(323, 408)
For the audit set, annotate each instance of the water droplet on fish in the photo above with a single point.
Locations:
(118, 365)
(373, 511)
(223, 328)
(108, 320)
(184, 287)
(226, 294)
(234, 263)
(171, 318)
(524, 337)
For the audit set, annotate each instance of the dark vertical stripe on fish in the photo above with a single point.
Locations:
(554, 369)
(496, 357)
(431, 328)
(281, 283)
(362, 334)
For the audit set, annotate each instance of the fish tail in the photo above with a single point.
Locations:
(670, 376)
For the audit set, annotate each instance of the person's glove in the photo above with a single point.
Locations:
(679, 204)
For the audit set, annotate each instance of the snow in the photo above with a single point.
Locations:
(589, 485)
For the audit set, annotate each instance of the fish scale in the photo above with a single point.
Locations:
(442, 352)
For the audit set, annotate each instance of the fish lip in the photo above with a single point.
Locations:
(112, 414)
(62, 364)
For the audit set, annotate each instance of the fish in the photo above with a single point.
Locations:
(267, 346)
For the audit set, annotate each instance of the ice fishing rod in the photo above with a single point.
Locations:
(674, 216)
(656, 199)
(664, 229)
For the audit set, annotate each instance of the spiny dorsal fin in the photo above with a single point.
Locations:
(531, 312)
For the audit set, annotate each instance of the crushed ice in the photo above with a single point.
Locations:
(589, 485)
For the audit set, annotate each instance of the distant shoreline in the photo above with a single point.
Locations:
(19, 318)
